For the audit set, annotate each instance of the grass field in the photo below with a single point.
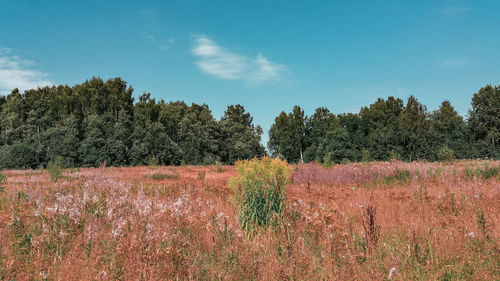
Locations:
(375, 221)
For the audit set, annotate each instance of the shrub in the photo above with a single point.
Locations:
(345, 161)
(446, 154)
(201, 175)
(259, 191)
(162, 176)
(366, 156)
(328, 161)
(3, 182)
(54, 167)
(394, 155)
(400, 175)
(153, 162)
(218, 164)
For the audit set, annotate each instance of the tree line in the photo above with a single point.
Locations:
(99, 122)
(389, 129)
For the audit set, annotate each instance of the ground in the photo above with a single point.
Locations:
(423, 221)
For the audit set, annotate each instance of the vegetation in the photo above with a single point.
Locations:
(389, 129)
(341, 223)
(54, 167)
(259, 191)
(99, 122)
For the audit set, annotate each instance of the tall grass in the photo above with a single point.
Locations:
(260, 191)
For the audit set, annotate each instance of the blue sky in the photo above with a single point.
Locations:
(265, 56)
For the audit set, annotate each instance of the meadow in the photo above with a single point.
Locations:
(359, 221)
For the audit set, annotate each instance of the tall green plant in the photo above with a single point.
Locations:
(54, 168)
(3, 182)
(446, 154)
(259, 191)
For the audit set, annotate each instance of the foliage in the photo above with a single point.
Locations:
(259, 191)
(99, 122)
(54, 168)
(327, 160)
(287, 136)
(162, 176)
(446, 154)
(218, 166)
(3, 182)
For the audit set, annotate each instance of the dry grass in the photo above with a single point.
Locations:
(432, 222)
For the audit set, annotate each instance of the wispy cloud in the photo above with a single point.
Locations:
(454, 10)
(221, 63)
(453, 63)
(148, 12)
(19, 73)
(148, 36)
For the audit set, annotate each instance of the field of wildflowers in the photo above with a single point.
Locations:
(361, 221)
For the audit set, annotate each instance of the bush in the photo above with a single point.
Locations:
(488, 172)
(54, 168)
(259, 191)
(446, 154)
(218, 164)
(328, 161)
(400, 175)
(162, 176)
(153, 162)
(366, 156)
(394, 155)
(3, 182)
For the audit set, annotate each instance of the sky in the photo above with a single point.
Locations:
(265, 55)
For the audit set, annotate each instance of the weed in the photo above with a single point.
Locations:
(153, 162)
(328, 160)
(201, 175)
(345, 161)
(400, 175)
(365, 156)
(162, 176)
(259, 191)
(372, 230)
(3, 182)
(218, 165)
(446, 154)
(488, 172)
(394, 156)
(54, 168)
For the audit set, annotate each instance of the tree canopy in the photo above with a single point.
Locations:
(99, 122)
(390, 128)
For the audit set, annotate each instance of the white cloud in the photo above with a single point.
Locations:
(18, 73)
(221, 63)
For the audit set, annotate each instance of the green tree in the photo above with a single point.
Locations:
(414, 129)
(484, 121)
(317, 126)
(240, 138)
(287, 135)
(448, 129)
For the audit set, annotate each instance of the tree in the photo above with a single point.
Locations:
(287, 135)
(338, 146)
(199, 135)
(484, 121)
(241, 139)
(414, 129)
(317, 126)
(448, 130)
(380, 125)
